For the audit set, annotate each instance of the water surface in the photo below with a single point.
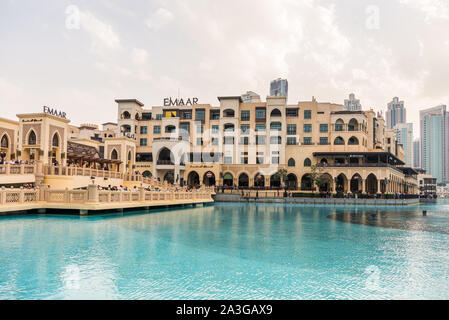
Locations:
(229, 251)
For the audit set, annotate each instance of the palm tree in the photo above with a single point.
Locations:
(282, 175)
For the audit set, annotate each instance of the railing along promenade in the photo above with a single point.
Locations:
(96, 196)
(50, 170)
(18, 169)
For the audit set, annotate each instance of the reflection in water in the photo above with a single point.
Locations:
(404, 220)
(226, 251)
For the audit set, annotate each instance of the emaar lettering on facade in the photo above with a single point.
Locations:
(170, 102)
(55, 112)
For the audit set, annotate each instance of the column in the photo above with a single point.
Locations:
(92, 193)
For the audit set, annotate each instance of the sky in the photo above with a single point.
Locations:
(79, 56)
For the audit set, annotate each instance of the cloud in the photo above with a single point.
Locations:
(159, 19)
(139, 56)
(434, 9)
(101, 33)
(210, 48)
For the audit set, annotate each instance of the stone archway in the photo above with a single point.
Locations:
(243, 181)
(165, 157)
(5, 148)
(193, 179)
(259, 181)
(341, 183)
(209, 179)
(325, 182)
(356, 183)
(371, 184)
(292, 182)
(275, 181)
(307, 183)
(228, 180)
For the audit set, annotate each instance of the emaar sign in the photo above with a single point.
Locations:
(55, 112)
(169, 102)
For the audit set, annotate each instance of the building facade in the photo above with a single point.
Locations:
(246, 144)
(308, 146)
(434, 142)
(353, 104)
(396, 113)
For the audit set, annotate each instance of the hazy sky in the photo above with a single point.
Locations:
(79, 56)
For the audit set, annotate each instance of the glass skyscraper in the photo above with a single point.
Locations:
(396, 113)
(353, 104)
(434, 142)
(417, 153)
(404, 136)
(279, 87)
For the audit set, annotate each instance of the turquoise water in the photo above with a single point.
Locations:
(229, 251)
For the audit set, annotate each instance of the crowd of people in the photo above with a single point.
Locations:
(17, 162)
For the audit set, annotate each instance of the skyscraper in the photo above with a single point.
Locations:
(250, 96)
(396, 113)
(353, 104)
(417, 153)
(279, 87)
(404, 136)
(434, 142)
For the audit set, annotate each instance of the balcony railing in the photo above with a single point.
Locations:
(358, 165)
(348, 128)
(165, 162)
(17, 169)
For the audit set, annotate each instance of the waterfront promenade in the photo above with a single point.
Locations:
(86, 190)
(95, 200)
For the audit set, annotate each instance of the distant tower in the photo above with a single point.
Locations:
(404, 136)
(279, 88)
(396, 113)
(434, 142)
(417, 153)
(250, 96)
(353, 104)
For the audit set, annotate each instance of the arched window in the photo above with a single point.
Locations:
(147, 174)
(276, 113)
(243, 180)
(339, 141)
(129, 156)
(137, 116)
(353, 141)
(339, 125)
(114, 155)
(353, 125)
(291, 162)
(32, 138)
(228, 180)
(323, 161)
(5, 141)
(165, 157)
(229, 113)
(170, 129)
(126, 115)
(55, 140)
(307, 163)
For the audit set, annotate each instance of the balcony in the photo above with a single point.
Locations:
(348, 128)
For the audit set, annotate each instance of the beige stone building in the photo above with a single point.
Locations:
(232, 144)
(245, 144)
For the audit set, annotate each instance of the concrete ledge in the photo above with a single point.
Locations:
(220, 197)
(84, 209)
